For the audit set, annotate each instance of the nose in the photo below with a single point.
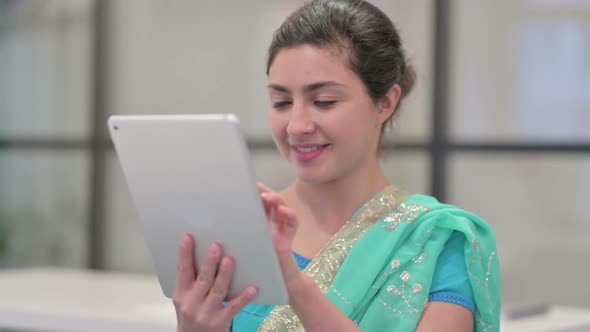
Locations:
(301, 121)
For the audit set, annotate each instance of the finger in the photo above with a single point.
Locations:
(235, 305)
(185, 275)
(271, 200)
(207, 272)
(283, 226)
(220, 287)
(282, 217)
(273, 197)
(286, 221)
(266, 203)
(262, 188)
(287, 217)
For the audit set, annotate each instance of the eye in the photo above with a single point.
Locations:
(324, 103)
(280, 104)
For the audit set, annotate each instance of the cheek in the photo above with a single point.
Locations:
(278, 124)
(358, 130)
(356, 123)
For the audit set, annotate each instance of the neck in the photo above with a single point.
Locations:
(331, 204)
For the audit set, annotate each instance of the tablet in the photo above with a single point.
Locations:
(192, 174)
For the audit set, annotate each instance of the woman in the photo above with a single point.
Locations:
(383, 260)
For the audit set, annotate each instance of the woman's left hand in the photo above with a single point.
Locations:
(283, 226)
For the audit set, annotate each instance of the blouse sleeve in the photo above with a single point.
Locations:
(450, 282)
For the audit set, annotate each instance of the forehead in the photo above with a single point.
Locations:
(306, 64)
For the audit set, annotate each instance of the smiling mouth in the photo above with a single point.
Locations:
(309, 148)
(309, 152)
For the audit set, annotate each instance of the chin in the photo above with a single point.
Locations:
(308, 177)
(310, 180)
(314, 178)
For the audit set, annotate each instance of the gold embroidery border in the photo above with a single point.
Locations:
(324, 267)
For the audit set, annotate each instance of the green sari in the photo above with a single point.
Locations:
(378, 268)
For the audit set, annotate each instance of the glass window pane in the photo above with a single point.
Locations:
(45, 62)
(124, 248)
(537, 205)
(414, 22)
(218, 65)
(409, 170)
(520, 70)
(43, 208)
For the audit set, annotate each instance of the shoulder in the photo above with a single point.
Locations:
(448, 215)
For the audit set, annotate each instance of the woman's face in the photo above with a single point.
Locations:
(323, 121)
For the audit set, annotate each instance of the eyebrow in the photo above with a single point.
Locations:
(307, 88)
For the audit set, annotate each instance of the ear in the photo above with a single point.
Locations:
(387, 105)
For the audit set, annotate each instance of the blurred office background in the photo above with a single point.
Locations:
(499, 122)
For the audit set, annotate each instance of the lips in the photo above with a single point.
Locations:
(308, 152)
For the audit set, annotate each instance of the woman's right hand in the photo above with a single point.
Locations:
(199, 295)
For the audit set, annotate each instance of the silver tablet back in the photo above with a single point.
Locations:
(192, 173)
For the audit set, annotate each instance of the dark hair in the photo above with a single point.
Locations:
(375, 52)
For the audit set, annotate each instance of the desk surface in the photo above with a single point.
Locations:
(557, 319)
(89, 301)
(81, 300)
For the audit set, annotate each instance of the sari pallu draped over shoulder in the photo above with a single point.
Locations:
(378, 267)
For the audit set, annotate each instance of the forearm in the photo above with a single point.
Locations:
(315, 310)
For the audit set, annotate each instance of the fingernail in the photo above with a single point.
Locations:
(215, 248)
(227, 260)
(186, 239)
(252, 291)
